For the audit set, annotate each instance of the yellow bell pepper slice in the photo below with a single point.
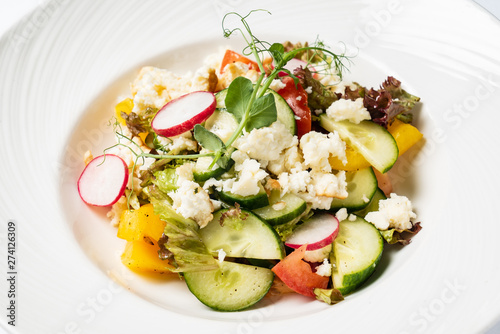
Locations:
(143, 257)
(125, 106)
(140, 223)
(406, 135)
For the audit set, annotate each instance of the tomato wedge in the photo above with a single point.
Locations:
(230, 57)
(296, 97)
(298, 275)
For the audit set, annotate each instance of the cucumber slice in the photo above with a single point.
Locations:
(373, 205)
(201, 172)
(294, 206)
(371, 140)
(232, 287)
(285, 113)
(361, 184)
(220, 117)
(356, 252)
(222, 123)
(250, 237)
(248, 202)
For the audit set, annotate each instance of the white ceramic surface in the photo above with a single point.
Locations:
(62, 69)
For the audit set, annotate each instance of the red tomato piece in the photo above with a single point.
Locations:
(298, 275)
(230, 57)
(296, 97)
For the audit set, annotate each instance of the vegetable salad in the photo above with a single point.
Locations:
(263, 170)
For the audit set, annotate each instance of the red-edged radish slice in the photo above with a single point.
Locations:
(183, 113)
(103, 180)
(317, 232)
(295, 63)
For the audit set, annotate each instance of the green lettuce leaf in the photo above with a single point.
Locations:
(166, 180)
(183, 240)
(393, 236)
(320, 97)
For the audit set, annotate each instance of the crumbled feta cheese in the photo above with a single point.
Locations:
(295, 182)
(249, 180)
(116, 211)
(124, 153)
(277, 85)
(271, 185)
(352, 217)
(341, 214)
(184, 172)
(318, 255)
(290, 160)
(329, 79)
(328, 184)
(343, 109)
(365, 199)
(234, 70)
(309, 90)
(324, 269)
(266, 143)
(278, 206)
(394, 212)
(217, 184)
(217, 204)
(298, 98)
(221, 255)
(192, 201)
(317, 202)
(154, 87)
(318, 147)
(315, 187)
(177, 144)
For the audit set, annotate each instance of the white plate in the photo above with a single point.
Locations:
(62, 69)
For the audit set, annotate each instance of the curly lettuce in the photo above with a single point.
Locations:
(182, 241)
(388, 102)
(393, 236)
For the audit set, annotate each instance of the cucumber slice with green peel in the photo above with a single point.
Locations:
(232, 287)
(284, 113)
(242, 236)
(361, 185)
(373, 205)
(371, 140)
(281, 209)
(222, 123)
(356, 253)
(251, 202)
(201, 172)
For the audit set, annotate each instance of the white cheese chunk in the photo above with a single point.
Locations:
(318, 147)
(266, 143)
(353, 111)
(191, 201)
(394, 212)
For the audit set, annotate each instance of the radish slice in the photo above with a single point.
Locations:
(103, 180)
(317, 232)
(182, 114)
(295, 63)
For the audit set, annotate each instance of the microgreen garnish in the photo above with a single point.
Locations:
(251, 103)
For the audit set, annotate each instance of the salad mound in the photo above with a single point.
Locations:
(263, 170)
